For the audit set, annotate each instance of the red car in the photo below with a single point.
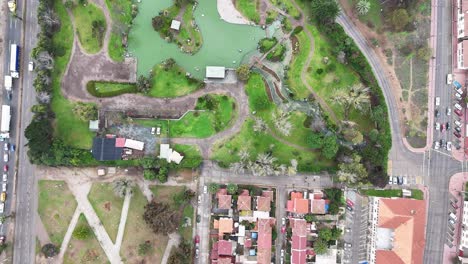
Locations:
(442, 127)
(458, 112)
(5, 168)
(457, 134)
(349, 202)
(283, 229)
(197, 239)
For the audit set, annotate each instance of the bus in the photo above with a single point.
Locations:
(14, 60)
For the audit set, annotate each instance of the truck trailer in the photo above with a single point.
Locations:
(5, 123)
(14, 60)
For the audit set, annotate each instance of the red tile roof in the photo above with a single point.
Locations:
(224, 260)
(298, 205)
(289, 206)
(264, 241)
(214, 251)
(244, 202)
(222, 191)
(299, 241)
(317, 206)
(244, 192)
(119, 142)
(224, 247)
(297, 195)
(408, 219)
(225, 225)
(299, 226)
(268, 194)
(224, 201)
(248, 243)
(263, 203)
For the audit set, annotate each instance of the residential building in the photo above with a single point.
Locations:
(462, 23)
(134, 144)
(225, 226)
(94, 125)
(396, 230)
(105, 149)
(175, 24)
(170, 155)
(224, 199)
(244, 201)
(298, 241)
(264, 240)
(298, 204)
(464, 232)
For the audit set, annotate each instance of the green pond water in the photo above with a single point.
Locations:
(222, 41)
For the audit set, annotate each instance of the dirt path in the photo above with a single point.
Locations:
(123, 220)
(174, 240)
(41, 231)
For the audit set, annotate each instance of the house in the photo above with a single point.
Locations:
(224, 200)
(327, 258)
(298, 241)
(464, 233)
(264, 241)
(225, 247)
(94, 125)
(120, 142)
(297, 204)
(397, 230)
(175, 24)
(170, 155)
(134, 144)
(263, 204)
(462, 33)
(105, 149)
(225, 226)
(244, 202)
(318, 206)
(214, 72)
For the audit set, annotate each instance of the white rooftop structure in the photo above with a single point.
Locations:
(464, 231)
(94, 125)
(165, 152)
(215, 72)
(260, 214)
(134, 144)
(327, 258)
(175, 24)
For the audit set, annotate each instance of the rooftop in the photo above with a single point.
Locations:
(225, 226)
(224, 247)
(215, 72)
(263, 203)
(175, 24)
(224, 201)
(264, 241)
(317, 206)
(134, 144)
(244, 202)
(104, 149)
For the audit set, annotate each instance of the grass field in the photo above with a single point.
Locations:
(188, 151)
(295, 83)
(172, 83)
(84, 251)
(56, 207)
(383, 193)
(417, 194)
(68, 127)
(189, 32)
(186, 232)
(85, 16)
(121, 12)
(109, 89)
(137, 232)
(164, 194)
(108, 207)
(374, 17)
(248, 8)
(288, 7)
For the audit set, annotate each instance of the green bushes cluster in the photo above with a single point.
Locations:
(266, 44)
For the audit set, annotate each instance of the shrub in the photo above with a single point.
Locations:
(49, 250)
(297, 30)
(82, 232)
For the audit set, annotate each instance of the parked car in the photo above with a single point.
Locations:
(197, 239)
(31, 66)
(458, 106)
(282, 253)
(3, 196)
(2, 209)
(349, 208)
(447, 126)
(158, 131)
(457, 85)
(454, 206)
(198, 218)
(6, 146)
(448, 111)
(452, 221)
(349, 202)
(390, 182)
(400, 180)
(437, 126)
(457, 123)
(9, 96)
(395, 180)
(457, 134)
(458, 112)
(459, 91)
(205, 189)
(5, 177)
(458, 96)
(449, 78)
(199, 198)
(153, 130)
(4, 187)
(442, 127)
(449, 146)
(283, 229)
(5, 168)
(437, 101)
(5, 157)
(405, 180)
(458, 129)
(12, 147)
(437, 113)
(436, 145)
(283, 221)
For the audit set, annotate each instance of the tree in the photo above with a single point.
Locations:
(144, 248)
(43, 98)
(150, 174)
(161, 218)
(85, 111)
(363, 7)
(82, 232)
(310, 218)
(336, 233)
(374, 135)
(213, 187)
(320, 247)
(314, 140)
(281, 122)
(44, 60)
(352, 172)
(143, 84)
(259, 125)
(122, 186)
(325, 234)
(351, 134)
(243, 72)
(158, 22)
(424, 53)
(232, 188)
(49, 250)
(168, 64)
(181, 254)
(330, 147)
(324, 11)
(400, 19)
(49, 19)
(39, 136)
(162, 174)
(356, 97)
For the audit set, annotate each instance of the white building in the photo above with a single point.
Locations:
(134, 144)
(175, 25)
(167, 153)
(464, 229)
(462, 34)
(215, 72)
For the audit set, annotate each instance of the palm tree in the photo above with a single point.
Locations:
(281, 122)
(357, 97)
(122, 187)
(363, 7)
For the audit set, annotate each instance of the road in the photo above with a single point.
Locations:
(26, 184)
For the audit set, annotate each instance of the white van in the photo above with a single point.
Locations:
(459, 107)
(457, 123)
(453, 216)
(437, 101)
(449, 78)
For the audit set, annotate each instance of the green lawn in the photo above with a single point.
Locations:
(417, 194)
(188, 151)
(68, 128)
(137, 232)
(84, 251)
(226, 152)
(383, 193)
(249, 9)
(109, 89)
(189, 37)
(266, 44)
(295, 83)
(277, 53)
(172, 83)
(56, 207)
(108, 207)
(121, 12)
(85, 16)
(186, 232)
(288, 7)
(164, 194)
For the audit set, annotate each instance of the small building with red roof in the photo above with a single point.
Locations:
(225, 248)
(244, 203)
(264, 241)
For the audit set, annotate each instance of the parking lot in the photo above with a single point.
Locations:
(356, 226)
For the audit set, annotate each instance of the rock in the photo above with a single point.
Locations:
(325, 60)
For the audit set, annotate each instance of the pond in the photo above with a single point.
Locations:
(224, 44)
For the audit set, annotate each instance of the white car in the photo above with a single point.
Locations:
(199, 198)
(449, 111)
(436, 145)
(449, 146)
(459, 107)
(6, 146)
(153, 130)
(5, 157)
(459, 91)
(283, 221)
(458, 96)
(457, 123)
(405, 180)
(2, 208)
(205, 189)
(395, 180)
(158, 131)
(5, 177)
(4, 187)
(437, 101)
(31, 66)
(437, 126)
(449, 78)
(282, 253)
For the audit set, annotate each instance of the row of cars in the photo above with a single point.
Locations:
(3, 195)
(398, 180)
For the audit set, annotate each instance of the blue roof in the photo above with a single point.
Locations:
(326, 208)
(254, 234)
(252, 252)
(457, 84)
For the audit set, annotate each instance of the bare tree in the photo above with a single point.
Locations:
(43, 97)
(260, 125)
(50, 19)
(45, 61)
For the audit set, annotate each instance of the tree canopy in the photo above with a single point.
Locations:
(243, 72)
(161, 218)
(324, 11)
(400, 19)
(330, 147)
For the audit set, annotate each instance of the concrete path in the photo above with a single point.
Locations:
(68, 235)
(174, 240)
(123, 220)
(41, 231)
